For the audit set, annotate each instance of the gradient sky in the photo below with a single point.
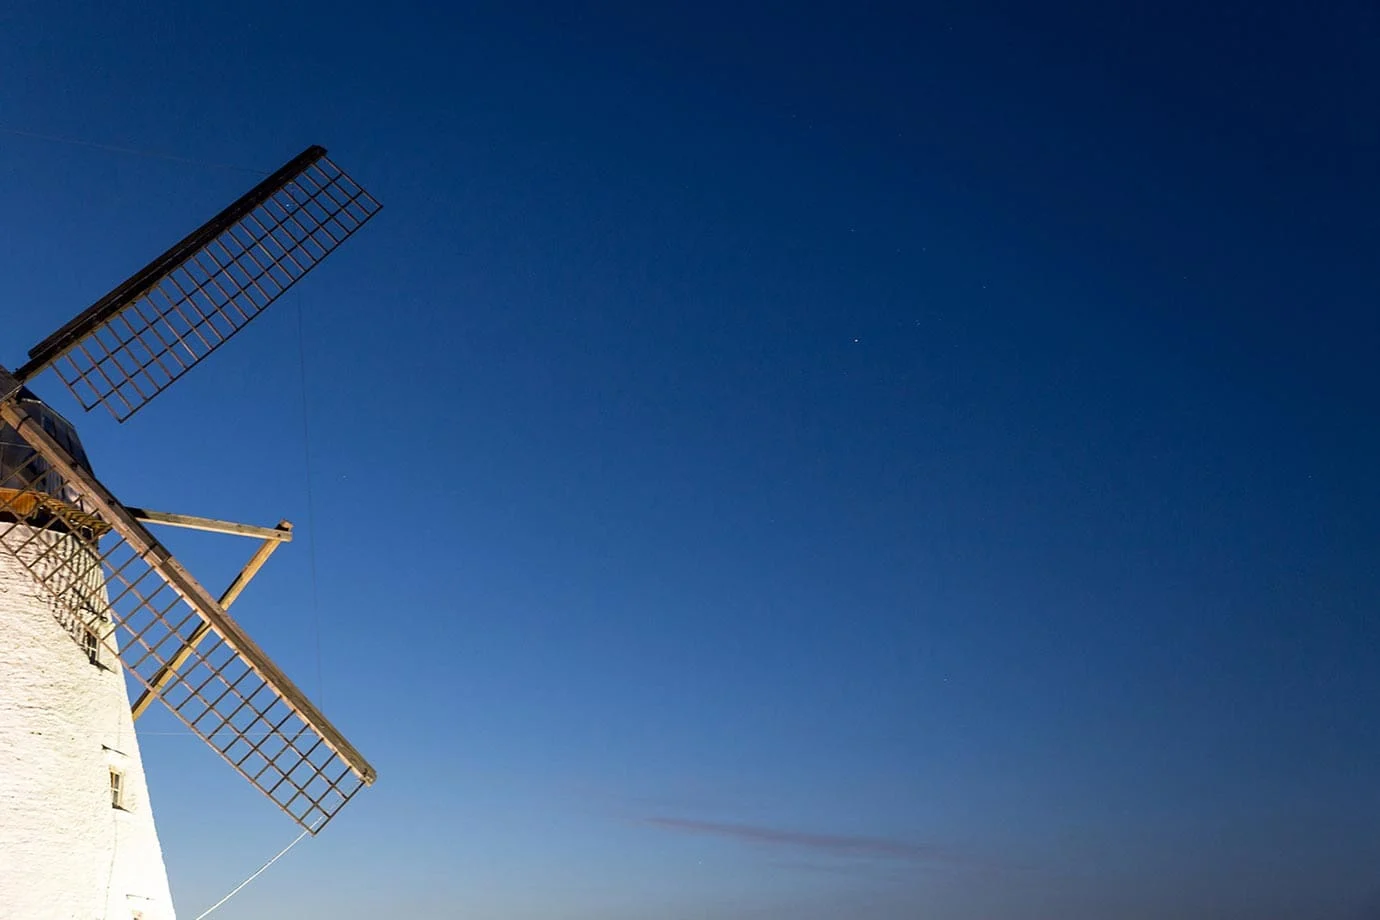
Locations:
(765, 460)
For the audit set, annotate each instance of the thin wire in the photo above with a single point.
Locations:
(311, 500)
(261, 870)
(112, 148)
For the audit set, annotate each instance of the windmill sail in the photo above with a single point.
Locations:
(102, 567)
(133, 343)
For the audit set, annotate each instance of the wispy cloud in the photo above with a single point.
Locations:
(842, 845)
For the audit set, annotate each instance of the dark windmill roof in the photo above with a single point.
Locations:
(20, 467)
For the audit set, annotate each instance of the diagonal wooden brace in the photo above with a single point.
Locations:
(251, 568)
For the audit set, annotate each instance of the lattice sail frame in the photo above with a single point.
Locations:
(106, 573)
(132, 344)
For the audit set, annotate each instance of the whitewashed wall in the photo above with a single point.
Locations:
(65, 852)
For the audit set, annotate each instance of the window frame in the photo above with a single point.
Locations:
(91, 645)
(117, 789)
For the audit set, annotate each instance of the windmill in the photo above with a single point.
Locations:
(88, 594)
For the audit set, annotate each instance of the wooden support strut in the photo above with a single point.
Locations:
(251, 568)
(181, 581)
(282, 533)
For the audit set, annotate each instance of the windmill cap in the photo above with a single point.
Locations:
(20, 465)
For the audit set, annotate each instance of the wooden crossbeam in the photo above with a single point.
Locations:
(282, 533)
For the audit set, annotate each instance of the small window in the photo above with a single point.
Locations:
(117, 789)
(91, 645)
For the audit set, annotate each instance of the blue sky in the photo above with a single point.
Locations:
(821, 461)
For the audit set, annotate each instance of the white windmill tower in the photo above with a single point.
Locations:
(89, 597)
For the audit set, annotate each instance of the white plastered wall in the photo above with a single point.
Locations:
(65, 850)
